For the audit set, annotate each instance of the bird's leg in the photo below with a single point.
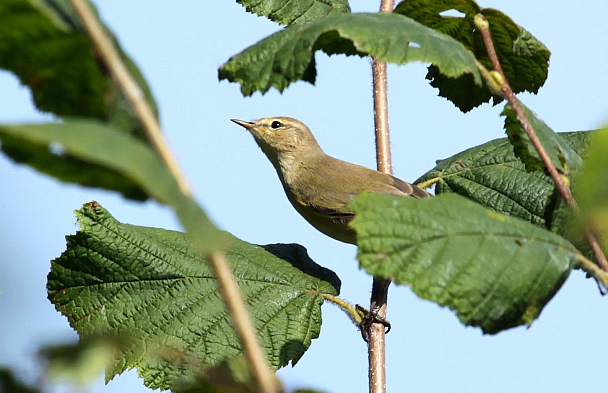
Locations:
(369, 318)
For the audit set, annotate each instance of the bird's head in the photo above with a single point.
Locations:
(279, 136)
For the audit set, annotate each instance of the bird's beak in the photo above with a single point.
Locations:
(246, 124)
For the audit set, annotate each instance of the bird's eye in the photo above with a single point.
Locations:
(276, 124)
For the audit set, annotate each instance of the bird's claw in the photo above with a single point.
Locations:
(369, 318)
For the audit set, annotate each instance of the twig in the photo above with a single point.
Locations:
(376, 348)
(132, 92)
(482, 24)
(265, 377)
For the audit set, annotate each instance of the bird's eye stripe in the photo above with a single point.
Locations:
(276, 124)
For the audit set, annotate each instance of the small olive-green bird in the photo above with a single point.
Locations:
(318, 186)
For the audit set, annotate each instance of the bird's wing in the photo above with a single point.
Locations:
(333, 196)
(410, 189)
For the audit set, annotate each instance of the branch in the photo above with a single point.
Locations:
(378, 303)
(265, 377)
(484, 27)
(132, 92)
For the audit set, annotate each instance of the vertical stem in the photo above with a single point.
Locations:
(383, 144)
(378, 303)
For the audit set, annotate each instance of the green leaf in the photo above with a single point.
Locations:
(295, 12)
(123, 157)
(47, 157)
(43, 44)
(564, 158)
(78, 364)
(496, 272)
(592, 189)
(491, 174)
(152, 287)
(288, 56)
(524, 59)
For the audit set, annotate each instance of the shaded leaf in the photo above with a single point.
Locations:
(43, 44)
(564, 158)
(288, 55)
(491, 174)
(496, 272)
(524, 59)
(295, 11)
(152, 286)
(123, 157)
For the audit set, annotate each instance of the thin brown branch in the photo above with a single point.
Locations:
(564, 190)
(378, 303)
(132, 92)
(265, 377)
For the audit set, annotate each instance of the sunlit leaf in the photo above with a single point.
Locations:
(496, 272)
(152, 288)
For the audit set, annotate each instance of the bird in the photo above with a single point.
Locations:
(320, 187)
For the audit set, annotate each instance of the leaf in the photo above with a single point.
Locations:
(295, 12)
(562, 156)
(491, 174)
(524, 59)
(43, 44)
(47, 157)
(288, 55)
(122, 157)
(496, 272)
(152, 286)
(78, 364)
(592, 189)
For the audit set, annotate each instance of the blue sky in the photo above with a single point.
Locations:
(179, 50)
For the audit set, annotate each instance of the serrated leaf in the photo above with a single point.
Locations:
(491, 174)
(288, 55)
(287, 12)
(43, 44)
(495, 271)
(123, 158)
(152, 286)
(562, 156)
(524, 59)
